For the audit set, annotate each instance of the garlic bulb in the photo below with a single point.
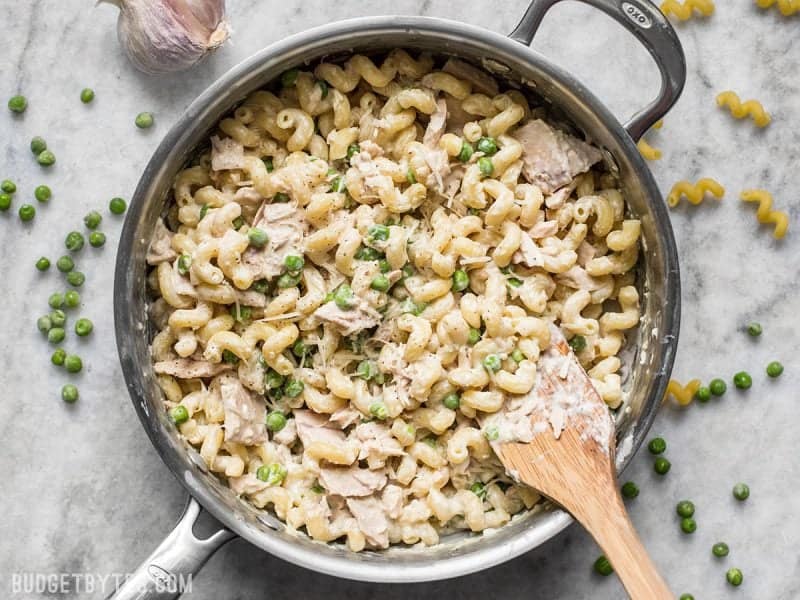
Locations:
(162, 36)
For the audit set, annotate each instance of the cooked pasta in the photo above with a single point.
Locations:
(741, 110)
(695, 192)
(361, 271)
(765, 214)
(685, 10)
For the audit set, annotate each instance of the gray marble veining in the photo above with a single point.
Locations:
(83, 491)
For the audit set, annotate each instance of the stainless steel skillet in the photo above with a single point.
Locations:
(650, 352)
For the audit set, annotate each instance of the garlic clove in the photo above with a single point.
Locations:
(164, 36)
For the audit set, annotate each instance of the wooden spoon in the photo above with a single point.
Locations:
(571, 461)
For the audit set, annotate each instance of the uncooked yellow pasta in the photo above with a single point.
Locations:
(786, 7)
(355, 281)
(685, 10)
(695, 192)
(683, 394)
(765, 214)
(741, 110)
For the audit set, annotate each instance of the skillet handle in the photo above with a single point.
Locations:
(651, 28)
(168, 571)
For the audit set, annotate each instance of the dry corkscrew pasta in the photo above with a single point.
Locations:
(695, 193)
(741, 110)
(685, 10)
(361, 271)
(786, 7)
(765, 214)
(683, 394)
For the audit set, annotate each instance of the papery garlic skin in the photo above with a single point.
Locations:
(164, 36)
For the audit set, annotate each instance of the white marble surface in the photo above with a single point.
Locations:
(83, 490)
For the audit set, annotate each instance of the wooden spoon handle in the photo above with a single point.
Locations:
(611, 527)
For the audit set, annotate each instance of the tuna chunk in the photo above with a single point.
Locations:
(437, 159)
(245, 416)
(285, 226)
(226, 154)
(481, 82)
(351, 320)
(352, 481)
(247, 485)
(160, 249)
(436, 125)
(551, 157)
(186, 368)
(312, 427)
(377, 442)
(371, 519)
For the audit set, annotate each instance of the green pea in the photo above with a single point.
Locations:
(287, 280)
(657, 446)
(179, 414)
(479, 489)
(73, 363)
(380, 283)
(56, 335)
(87, 95)
(272, 474)
(289, 78)
(741, 491)
(276, 421)
(293, 388)
(720, 549)
(38, 145)
(5, 201)
(466, 152)
(17, 104)
(76, 278)
(352, 150)
(74, 241)
(92, 219)
(408, 270)
(46, 158)
(517, 355)
(58, 356)
(294, 263)
(688, 525)
(379, 410)
(774, 369)
(323, 85)
(486, 166)
(43, 263)
(56, 300)
(411, 178)
(378, 232)
(491, 434)
(452, 401)
(203, 211)
(474, 336)
(269, 164)
(8, 186)
(83, 327)
(144, 120)
(577, 343)
(603, 567)
(366, 370)
(703, 394)
(487, 145)
(257, 238)
(72, 299)
(662, 465)
(754, 329)
(685, 508)
(514, 282)
(97, 239)
(344, 297)
(338, 185)
(367, 253)
(273, 380)
(237, 223)
(229, 357)
(69, 393)
(280, 197)
(27, 212)
(492, 363)
(742, 380)
(42, 193)
(630, 489)
(734, 577)
(460, 280)
(384, 265)
(184, 262)
(65, 264)
(58, 317)
(686, 597)
(317, 488)
(117, 206)
(44, 324)
(717, 387)
(299, 348)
